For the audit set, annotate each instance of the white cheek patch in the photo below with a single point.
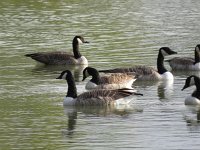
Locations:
(192, 81)
(87, 74)
(164, 52)
(197, 49)
(64, 76)
(79, 41)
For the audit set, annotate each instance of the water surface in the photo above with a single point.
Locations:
(121, 34)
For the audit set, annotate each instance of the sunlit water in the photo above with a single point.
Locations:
(121, 34)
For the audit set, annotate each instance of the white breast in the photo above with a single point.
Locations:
(90, 85)
(69, 101)
(197, 66)
(82, 61)
(167, 76)
(190, 100)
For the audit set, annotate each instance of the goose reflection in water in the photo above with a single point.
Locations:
(193, 119)
(185, 74)
(165, 90)
(77, 70)
(95, 111)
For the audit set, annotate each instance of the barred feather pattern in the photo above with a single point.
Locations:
(118, 78)
(102, 97)
(144, 72)
(52, 58)
(181, 63)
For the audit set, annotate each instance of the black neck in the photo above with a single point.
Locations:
(196, 93)
(197, 83)
(160, 64)
(76, 52)
(72, 91)
(95, 77)
(197, 57)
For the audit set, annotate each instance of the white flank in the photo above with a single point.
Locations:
(190, 100)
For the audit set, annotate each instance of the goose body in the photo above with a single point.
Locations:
(62, 58)
(111, 81)
(186, 63)
(98, 97)
(149, 73)
(194, 98)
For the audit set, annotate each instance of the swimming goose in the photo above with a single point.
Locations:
(186, 63)
(113, 81)
(194, 98)
(94, 97)
(149, 73)
(62, 58)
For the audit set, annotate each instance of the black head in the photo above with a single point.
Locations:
(64, 75)
(197, 48)
(88, 71)
(166, 51)
(79, 40)
(189, 81)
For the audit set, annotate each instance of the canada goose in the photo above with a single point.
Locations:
(62, 58)
(149, 73)
(94, 97)
(186, 63)
(194, 98)
(113, 81)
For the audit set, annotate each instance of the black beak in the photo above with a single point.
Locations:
(86, 42)
(173, 52)
(59, 77)
(83, 78)
(183, 88)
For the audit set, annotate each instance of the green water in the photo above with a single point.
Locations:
(121, 33)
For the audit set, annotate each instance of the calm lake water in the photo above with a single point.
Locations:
(121, 34)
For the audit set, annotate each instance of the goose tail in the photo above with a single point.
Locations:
(131, 91)
(168, 60)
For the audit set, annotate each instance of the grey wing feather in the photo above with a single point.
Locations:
(102, 97)
(116, 78)
(53, 57)
(141, 70)
(182, 60)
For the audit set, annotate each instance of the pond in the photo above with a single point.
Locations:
(121, 34)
